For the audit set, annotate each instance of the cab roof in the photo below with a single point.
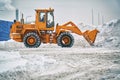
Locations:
(45, 10)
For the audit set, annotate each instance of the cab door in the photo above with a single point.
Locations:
(42, 20)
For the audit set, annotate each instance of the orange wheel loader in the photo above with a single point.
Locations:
(44, 31)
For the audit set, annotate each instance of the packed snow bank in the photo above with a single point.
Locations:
(80, 41)
(10, 45)
(24, 67)
(109, 35)
(10, 60)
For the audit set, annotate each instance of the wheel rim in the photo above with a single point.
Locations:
(31, 40)
(66, 40)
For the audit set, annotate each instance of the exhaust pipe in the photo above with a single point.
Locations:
(22, 19)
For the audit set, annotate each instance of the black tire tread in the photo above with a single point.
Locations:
(65, 34)
(38, 42)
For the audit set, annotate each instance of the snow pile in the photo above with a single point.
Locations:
(109, 35)
(84, 27)
(80, 41)
(13, 66)
(10, 60)
(10, 45)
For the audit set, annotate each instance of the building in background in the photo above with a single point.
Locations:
(17, 14)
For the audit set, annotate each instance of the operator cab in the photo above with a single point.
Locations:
(45, 19)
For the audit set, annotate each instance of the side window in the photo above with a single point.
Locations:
(42, 17)
(50, 19)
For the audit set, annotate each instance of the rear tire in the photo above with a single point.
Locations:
(31, 40)
(65, 40)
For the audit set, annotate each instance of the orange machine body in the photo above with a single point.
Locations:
(44, 29)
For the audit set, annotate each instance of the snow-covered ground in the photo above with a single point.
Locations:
(51, 62)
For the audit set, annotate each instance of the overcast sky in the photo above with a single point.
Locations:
(65, 10)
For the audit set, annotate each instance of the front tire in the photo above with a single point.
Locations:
(31, 40)
(65, 39)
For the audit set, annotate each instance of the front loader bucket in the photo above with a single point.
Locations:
(90, 36)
